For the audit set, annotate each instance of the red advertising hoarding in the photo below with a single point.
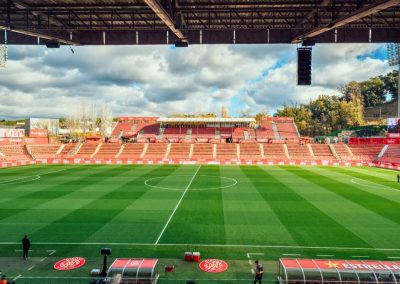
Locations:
(38, 133)
(12, 133)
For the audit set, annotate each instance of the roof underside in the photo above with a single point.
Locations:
(133, 22)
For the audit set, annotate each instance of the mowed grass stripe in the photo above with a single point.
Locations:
(81, 223)
(306, 223)
(38, 193)
(143, 219)
(248, 218)
(368, 176)
(40, 216)
(389, 193)
(200, 216)
(357, 219)
(384, 174)
(374, 202)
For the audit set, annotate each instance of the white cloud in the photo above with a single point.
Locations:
(160, 80)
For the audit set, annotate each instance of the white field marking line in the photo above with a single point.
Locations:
(19, 276)
(328, 255)
(177, 205)
(43, 259)
(25, 179)
(211, 245)
(393, 257)
(22, 250)
(252, 271)
(146, 182)
(360, 256)
(21, 180)
(291, 254)
(377, 186)
(52, 251)
(30, 268)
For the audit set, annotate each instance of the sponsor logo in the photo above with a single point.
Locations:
(213, 265)
(69, 263)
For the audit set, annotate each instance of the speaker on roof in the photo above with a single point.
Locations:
(304, 66)
(181, 43)
(52, 44)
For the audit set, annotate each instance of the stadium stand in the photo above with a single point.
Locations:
(343, 151)
(287, 130)
(391, 155)
(250, 151)
(322, 152)
(202, 151)
(65, 150)
(14, 152)
(365, 152)
(227, 152)
(203, 132)
(172, 132)
(108, 151)
(147, 130)
(265, 133)
(43, 151)
(132, 151)
(156, 151)
(179, 151)
(86, 151)
(123, 127)
(274, 151)
(299, 152)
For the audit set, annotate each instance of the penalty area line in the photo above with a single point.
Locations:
(177, 205)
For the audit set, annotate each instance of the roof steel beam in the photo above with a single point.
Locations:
(163, 15)
(41, 35)
(357, 15)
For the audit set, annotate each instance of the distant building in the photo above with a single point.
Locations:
(52, 125)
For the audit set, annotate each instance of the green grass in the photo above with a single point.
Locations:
(225, 212)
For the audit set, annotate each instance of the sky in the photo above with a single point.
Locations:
(162, 80)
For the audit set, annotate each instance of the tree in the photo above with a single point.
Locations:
(105, 120)
(391, 84)
(224, 112)
(373, 91)
(350, 91)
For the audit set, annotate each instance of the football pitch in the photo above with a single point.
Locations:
(234, 213)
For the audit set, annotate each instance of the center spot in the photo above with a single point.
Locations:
(180, 182)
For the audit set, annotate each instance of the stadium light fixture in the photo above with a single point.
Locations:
(393, 50)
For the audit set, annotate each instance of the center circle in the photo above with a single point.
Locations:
(157, 182)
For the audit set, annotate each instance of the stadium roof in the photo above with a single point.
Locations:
(133, 22)
(205, 120)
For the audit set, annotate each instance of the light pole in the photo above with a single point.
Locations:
(393, 50)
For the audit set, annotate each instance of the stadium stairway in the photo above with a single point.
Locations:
(261, 150)
(121, 149)
(276, 131)
(311, 151)
(333, 150)
(146, 146)
(96, 150)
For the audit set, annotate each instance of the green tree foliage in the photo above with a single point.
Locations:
(325, 114)
(391, 83)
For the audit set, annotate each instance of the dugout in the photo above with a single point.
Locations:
(133, 271)
(307, 271)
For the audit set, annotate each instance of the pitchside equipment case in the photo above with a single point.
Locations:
(133, 271)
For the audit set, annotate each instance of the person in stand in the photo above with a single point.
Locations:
(26, 244)
(3, 280)
(259, 270)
